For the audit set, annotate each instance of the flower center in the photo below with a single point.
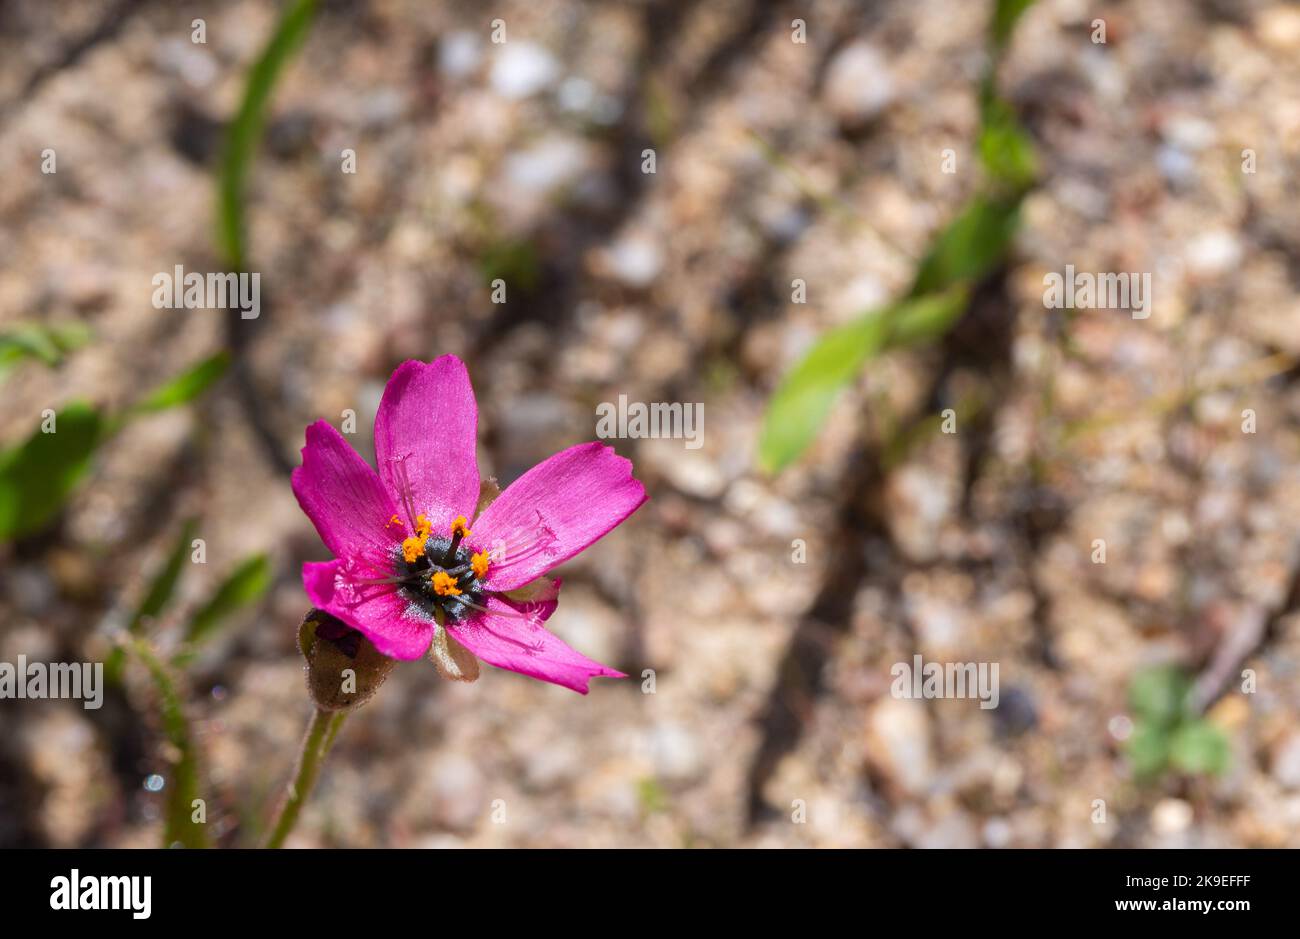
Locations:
(441, 573)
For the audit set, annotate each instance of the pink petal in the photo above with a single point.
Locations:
(375, 609)
(501, 638)
(342, 496)
(555, 510)
(427, 429)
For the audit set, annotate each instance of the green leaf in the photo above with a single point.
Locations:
(1199, 747)
(1158, 695)
(1005, 149)
(45, 343)
(185, 387)
(804, 397)
(245, 130)
(972, 245)
(37, 476)
(183, 788)
(928, 319)
(247, 584)
(1148, 750)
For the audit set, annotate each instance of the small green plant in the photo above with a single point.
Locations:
(1168, 735)
(970, 248)
(38, 475)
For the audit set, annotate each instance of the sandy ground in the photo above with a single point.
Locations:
(775, 161)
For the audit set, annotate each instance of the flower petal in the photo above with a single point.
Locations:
(499, 637)
(342, 495)
(426, 434)
(375, 609)
(555, 510)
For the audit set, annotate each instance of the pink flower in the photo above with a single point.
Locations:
(407, 556)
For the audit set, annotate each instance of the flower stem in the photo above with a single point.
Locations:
(322, 730)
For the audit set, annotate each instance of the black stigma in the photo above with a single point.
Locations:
(417, 578)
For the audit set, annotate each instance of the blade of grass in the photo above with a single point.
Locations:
(1253, 372)
(164, 582)
(245, 130)
(803, 400)
(247, 584)
(184, 388)
(160, 592)
(972, 245)
(1005, 16)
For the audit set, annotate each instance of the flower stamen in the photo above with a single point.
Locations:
(413, 548)
(459, 529)
(444, 585)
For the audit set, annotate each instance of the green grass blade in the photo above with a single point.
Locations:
(245, 130)
(1005, 15)
(185, 387)
(1006, 151)
(927, 319)
(164, 582)
(803, 399)
(161, 589)
(972, 245)
(247, 584)
(970, 248)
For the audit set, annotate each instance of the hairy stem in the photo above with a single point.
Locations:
(322, 730)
